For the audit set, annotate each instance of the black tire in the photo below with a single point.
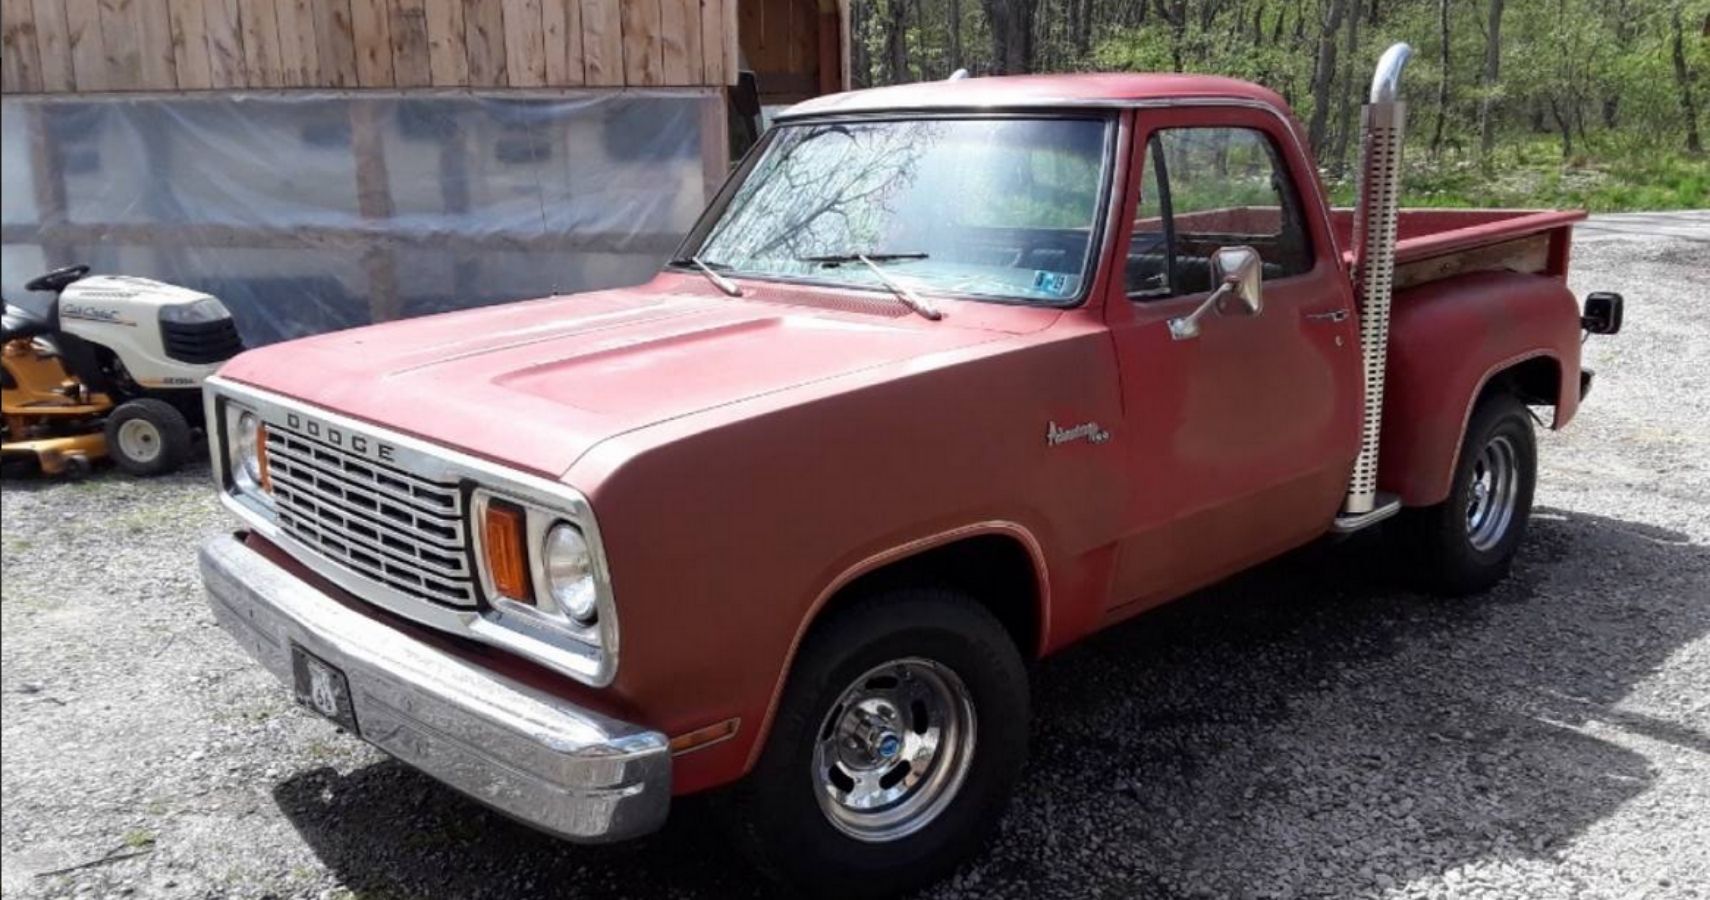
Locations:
(1448, 555)
(165, 442)
(78, 467)
(776, 813)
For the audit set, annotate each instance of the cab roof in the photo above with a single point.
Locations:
(1037, 92)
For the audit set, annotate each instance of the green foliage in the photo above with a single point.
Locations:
(1589, 107)
(138, 838)
(1056, 189)
(1531, 174)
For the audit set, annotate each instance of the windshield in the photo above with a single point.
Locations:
(987, 207)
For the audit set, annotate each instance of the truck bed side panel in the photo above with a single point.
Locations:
(1448, 339)
(1426, 233)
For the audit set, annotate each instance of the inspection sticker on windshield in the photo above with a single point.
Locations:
(1057, 283)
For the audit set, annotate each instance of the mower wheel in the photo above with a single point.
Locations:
(146, 436)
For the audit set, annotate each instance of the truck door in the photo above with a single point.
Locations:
(1240, 440)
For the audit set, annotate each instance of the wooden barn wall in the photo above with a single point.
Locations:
(794, 47)
(63, 46)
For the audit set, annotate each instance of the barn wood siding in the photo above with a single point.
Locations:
(66, 46)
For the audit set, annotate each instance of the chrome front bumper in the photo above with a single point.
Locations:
(535, 757)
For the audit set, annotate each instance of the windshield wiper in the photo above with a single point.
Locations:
(832, 260)
(904, 293)
(711, 271)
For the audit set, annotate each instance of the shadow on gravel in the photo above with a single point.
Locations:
(1308, 727)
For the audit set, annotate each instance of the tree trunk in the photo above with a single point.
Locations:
(955, 35)
(1323, 73)
(860, 66)
(1011, 22)
(1683, 78)
(1339, 162)
(1564, 123)
(896, 41)
(1443, 80)
(1492, 78)
(1174, 13)
(1623, 20)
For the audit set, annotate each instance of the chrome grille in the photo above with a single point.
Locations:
(388, 525)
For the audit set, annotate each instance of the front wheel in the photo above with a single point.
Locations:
(895, 746)
(146, 436)
(1466, 544)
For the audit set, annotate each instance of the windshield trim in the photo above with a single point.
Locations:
(709, 217)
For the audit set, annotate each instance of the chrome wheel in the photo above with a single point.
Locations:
(894, 749)
(139, 440)
(1495, 482)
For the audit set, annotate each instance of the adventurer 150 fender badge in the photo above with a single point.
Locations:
(1091, 432)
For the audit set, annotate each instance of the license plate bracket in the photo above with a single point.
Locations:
(321, 687)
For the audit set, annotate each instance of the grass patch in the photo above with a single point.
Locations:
(255, 713)
(321, 751)
(1534, 175)
(138, 838)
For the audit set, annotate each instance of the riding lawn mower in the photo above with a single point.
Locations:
(112, 366)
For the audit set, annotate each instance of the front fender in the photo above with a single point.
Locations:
(727, 531)
(1448, 340)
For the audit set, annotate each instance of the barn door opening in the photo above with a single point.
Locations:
(795, 48)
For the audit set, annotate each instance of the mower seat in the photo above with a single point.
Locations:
(18, 322)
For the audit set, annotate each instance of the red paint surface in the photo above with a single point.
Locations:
(1425, 233)
(747, 457)
(1042, 91)
(1447, 339)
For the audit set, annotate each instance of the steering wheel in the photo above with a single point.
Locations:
(57, 280)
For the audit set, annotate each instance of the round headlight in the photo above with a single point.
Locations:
(570, 572)
(249, 457)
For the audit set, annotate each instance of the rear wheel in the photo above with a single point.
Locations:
(895, 746)
(146, 436)
(1466, 543)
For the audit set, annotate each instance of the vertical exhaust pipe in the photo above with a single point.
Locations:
(1382, 122)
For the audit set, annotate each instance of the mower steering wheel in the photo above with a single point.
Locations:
(57, 280)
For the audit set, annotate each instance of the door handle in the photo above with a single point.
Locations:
(1334, 315)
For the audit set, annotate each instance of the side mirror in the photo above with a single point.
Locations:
(1602, 313)
(1243, 271)
(1239, 273)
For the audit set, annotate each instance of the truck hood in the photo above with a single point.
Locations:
(535, 385)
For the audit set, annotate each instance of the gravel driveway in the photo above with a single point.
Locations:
(1310, 729)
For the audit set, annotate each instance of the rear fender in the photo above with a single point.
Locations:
(1450, 341)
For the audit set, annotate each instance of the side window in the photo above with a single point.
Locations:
(1205, 188)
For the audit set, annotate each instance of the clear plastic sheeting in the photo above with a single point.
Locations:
(308, 212)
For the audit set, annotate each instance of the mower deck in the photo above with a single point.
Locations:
(55, 454)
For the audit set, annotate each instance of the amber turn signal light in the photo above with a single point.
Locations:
(261, 457)
(506, 552)
(701, 737)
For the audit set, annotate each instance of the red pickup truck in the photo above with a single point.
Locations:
(947, 377)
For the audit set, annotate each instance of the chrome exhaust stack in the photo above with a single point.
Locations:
(1382, 121)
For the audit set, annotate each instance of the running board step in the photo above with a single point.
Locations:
(1387, 505)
